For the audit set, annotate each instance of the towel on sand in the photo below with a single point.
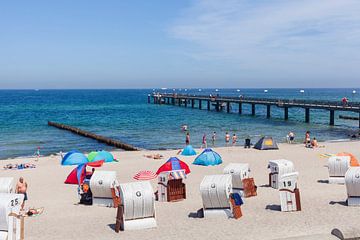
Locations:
(237, 199)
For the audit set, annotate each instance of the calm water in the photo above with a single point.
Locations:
(125, 115)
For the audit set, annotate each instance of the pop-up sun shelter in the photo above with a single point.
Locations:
(188, 151)
(208, 157)
(100, 155)
(266, 143)
(74, 157)
(78, 174)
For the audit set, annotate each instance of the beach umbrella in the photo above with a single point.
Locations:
(208, 157)
(145, 175)
(173, 164)
(188, 151)
(74, 157)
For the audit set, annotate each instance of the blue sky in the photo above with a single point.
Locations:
(185, 43)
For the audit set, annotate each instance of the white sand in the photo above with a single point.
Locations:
(63, 219)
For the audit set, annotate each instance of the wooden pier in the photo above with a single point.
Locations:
(106, 140)
(223, 102)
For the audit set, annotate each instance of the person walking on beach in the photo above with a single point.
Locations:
(21, 188)
(187, 138)
(37, 154)
(234, 139)
(213, 138)
(227, 138)
(204, 143)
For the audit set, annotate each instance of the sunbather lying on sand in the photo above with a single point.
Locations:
(154, 156)
(19, 166)
(34, 212)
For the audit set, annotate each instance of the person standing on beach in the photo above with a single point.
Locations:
(307, 139)
(234, 139)
(21, 188)
(227, 138)
(291, 137)
(213, 138)
(204, 143)
(37, 154)
(187, 138)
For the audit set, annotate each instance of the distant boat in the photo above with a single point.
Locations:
(302, 90)
(199, 89)
(216, 90)
(265, 91)
(353, 91)
(163, 88)
(173, 89)
(238, 90)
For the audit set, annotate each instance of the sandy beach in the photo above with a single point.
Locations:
(323, 205)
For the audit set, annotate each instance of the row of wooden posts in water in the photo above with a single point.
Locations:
(225, 102)
(106, 140)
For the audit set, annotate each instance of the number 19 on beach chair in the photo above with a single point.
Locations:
(289, 193)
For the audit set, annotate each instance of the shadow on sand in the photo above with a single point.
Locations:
(323, 181)
(273, 207)
(342, 203)
(198, 214)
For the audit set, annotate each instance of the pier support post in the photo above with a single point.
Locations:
(149, 98)
(228, 107)
(173, 101)
(199, 104)
(307, 115)
(217, 106)
(208, 105)
(154, 100)
(179, 99)
(192, 103)
(286, 113)
(186, 102)
(332, 117)
(168, 100)
(268, 111)
(253, 109)
(240, 108)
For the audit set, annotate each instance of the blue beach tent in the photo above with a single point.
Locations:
(104, 155)
(188, 151)
(74, 157)
(208, 158)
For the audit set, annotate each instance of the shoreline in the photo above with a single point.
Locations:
(173, 149)
(118, 150)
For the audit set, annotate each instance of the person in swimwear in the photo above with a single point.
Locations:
(227, 138)
(187, 138)
(234, 139)
(21, 188)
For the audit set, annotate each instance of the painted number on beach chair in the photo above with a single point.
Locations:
(14, 202)
(288, 184)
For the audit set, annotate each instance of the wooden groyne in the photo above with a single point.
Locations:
(226, 102)
(106, 140)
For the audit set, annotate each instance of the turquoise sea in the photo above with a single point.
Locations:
(126, 115)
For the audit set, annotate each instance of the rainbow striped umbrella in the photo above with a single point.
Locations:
(145, 175)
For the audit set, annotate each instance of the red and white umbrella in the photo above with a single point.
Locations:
(145, 175)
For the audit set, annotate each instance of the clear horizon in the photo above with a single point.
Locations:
(177, 44)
